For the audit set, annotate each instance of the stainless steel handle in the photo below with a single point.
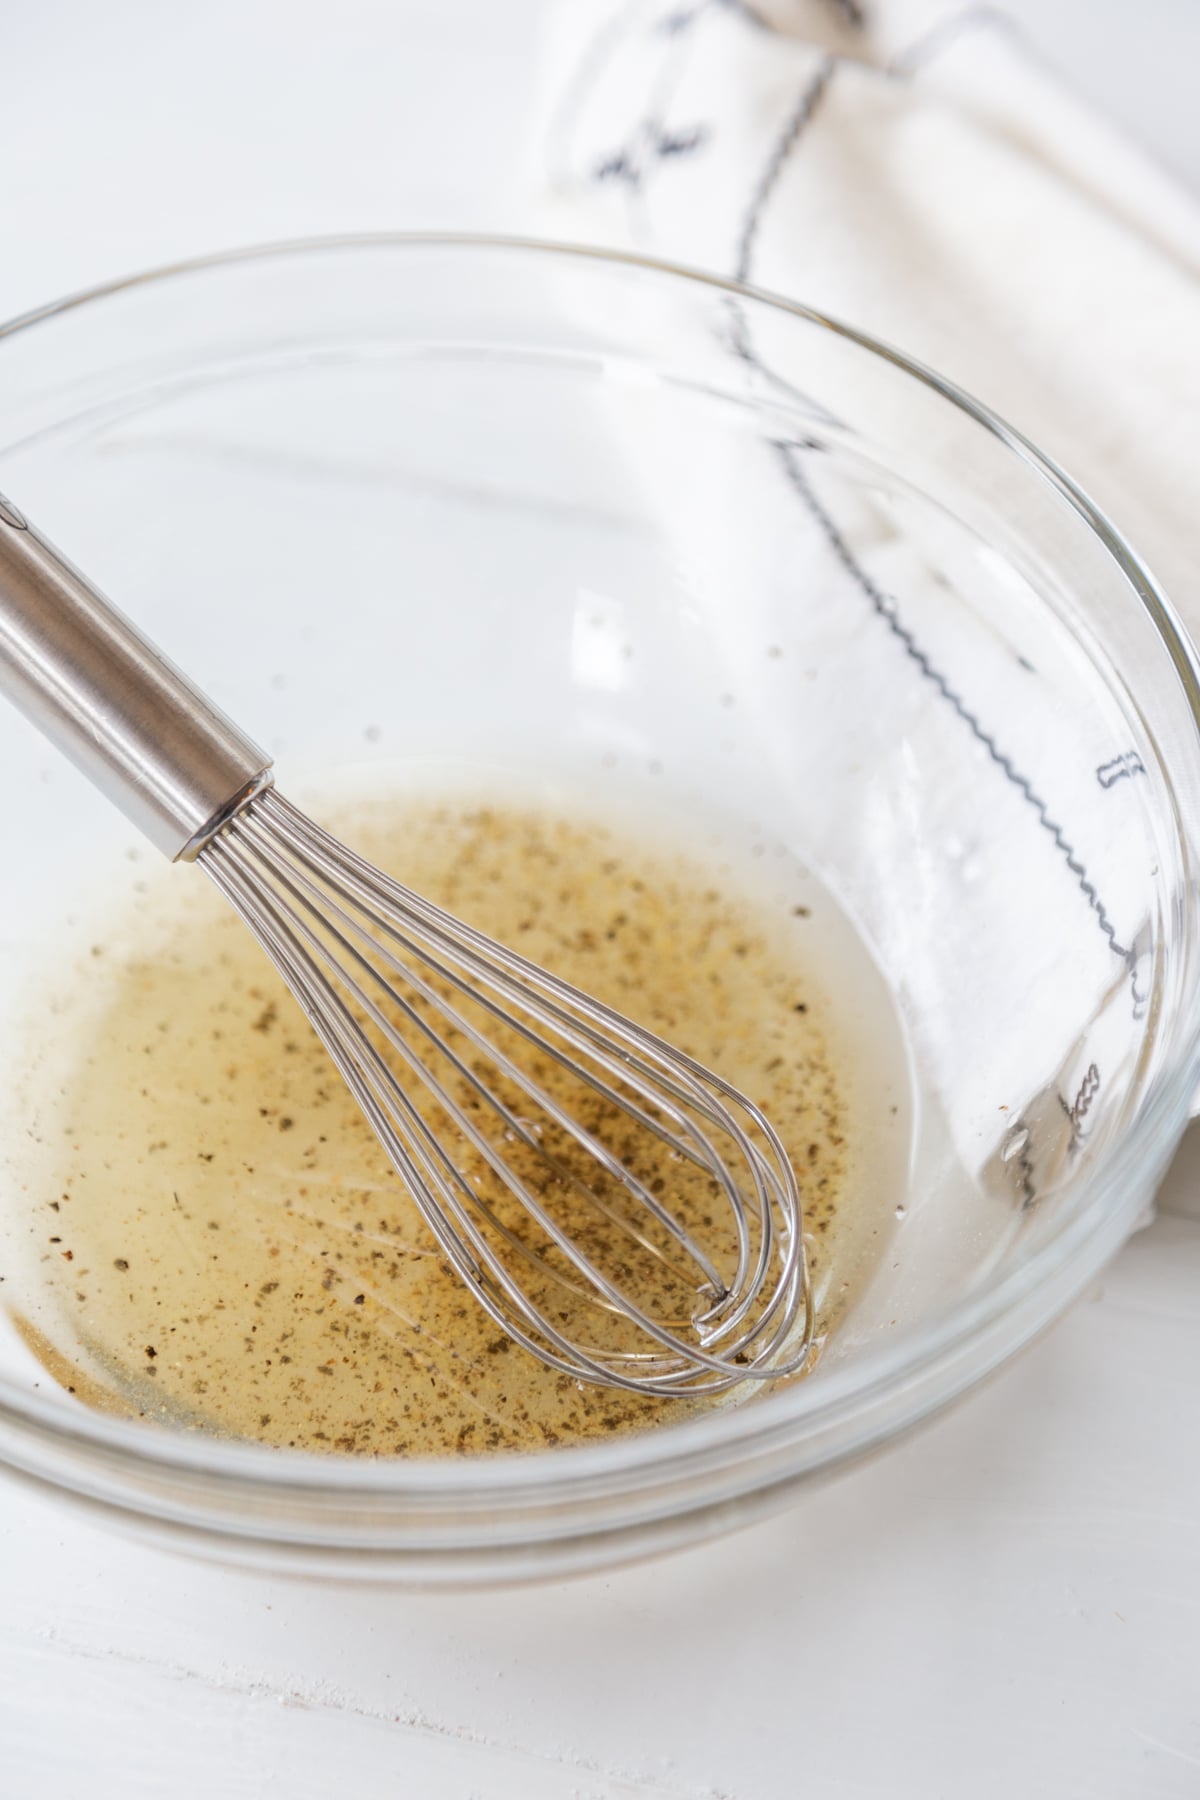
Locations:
(110, 701)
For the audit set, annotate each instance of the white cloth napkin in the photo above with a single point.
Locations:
(917, 172)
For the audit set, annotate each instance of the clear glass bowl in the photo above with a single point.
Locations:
(393, 479)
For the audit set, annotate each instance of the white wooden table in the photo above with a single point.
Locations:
(1008, 1604)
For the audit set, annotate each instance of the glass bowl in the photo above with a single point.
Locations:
(431, 483)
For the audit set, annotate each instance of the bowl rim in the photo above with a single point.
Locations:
(722, 1436)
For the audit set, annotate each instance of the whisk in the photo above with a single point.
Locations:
(522, 1116)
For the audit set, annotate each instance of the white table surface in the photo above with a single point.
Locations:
(1009, 1603)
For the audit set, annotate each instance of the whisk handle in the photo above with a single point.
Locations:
(100, 691)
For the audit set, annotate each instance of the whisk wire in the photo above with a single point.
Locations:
(362, 953)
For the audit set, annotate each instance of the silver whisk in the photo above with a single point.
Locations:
(523, 1117)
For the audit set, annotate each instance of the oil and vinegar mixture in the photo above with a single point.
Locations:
(217, 1242)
